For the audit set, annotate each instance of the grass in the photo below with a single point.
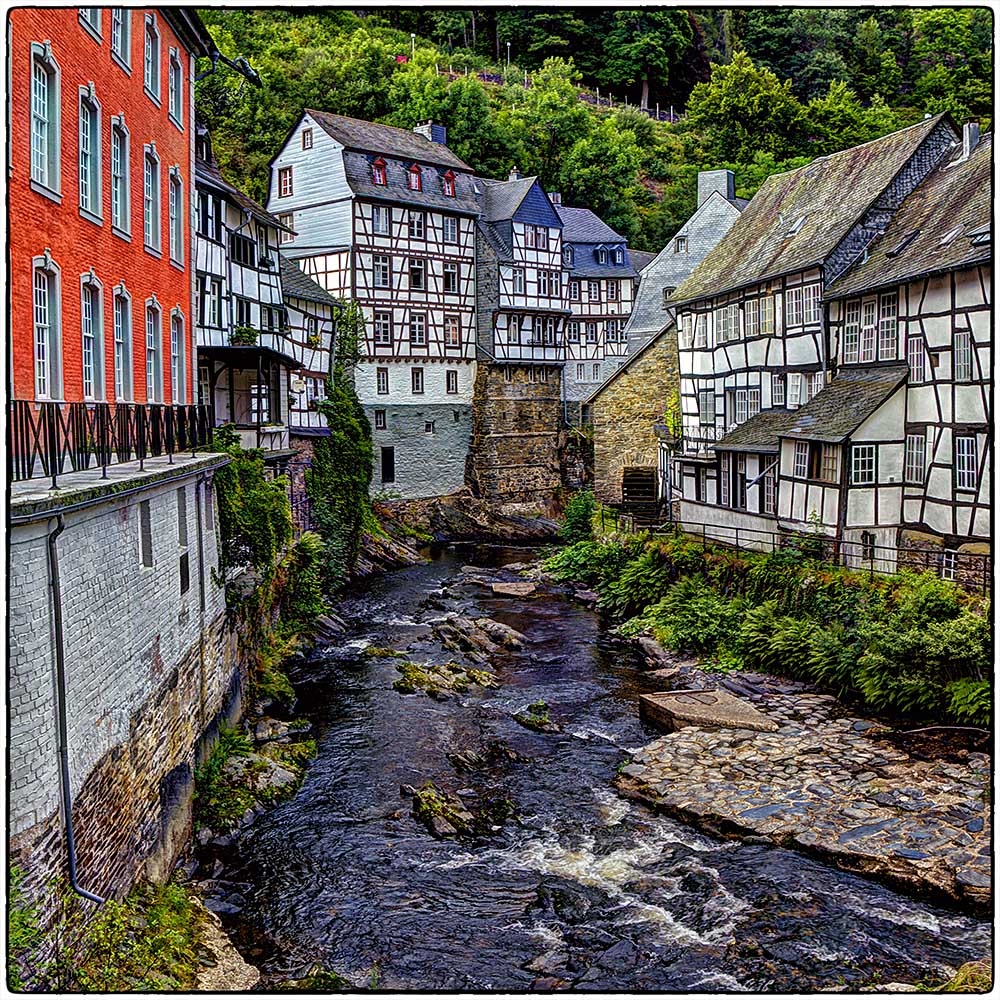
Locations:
(973, 977)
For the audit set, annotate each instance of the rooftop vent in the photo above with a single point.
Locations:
(970, 138)
(949, 236)
(796, 225)
(432, 132)
(514, 175)
(555, 197)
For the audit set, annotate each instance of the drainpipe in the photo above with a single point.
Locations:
(67, 797)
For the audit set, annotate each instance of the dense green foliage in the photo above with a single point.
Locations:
(908, 644)
(578, 518)
(23, 933)
(765, 89)
(218, 802)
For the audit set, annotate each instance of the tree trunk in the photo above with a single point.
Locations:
(644, 101)
(473, 30)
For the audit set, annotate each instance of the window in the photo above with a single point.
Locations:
(123, 344)
(795, 380)
(619, 255)
(966, 473)
(581, 372)
(452, 334)
(378, 172)
(120, 176)
(887, 328)
(381, 219)
(262, 254)
(451, 381)
(286, 219)
(210, 216)
(45, 118)
(450, 227)
(962, 364)
(417, 380)
(415, 182)
(916, 358)
(153, 364)
(242, 250)
(307, 138)
(176, 216)
(863, 464)
(418, 274)
(448, 184)
(596, 372)
(811, 310)
(602, 255)
(681, 244)
(777, 390)
(723, 479)
(852, 332)
(611, 330)
(418, 330)
(121, 35)
(816, 383)
(380, 271)
(151, 59)
(48, 324)
(182, 539)
(591, 333)
(573, 331)
(215, 303)
(569, 256)
(517, 276)
(418, 225)
(741, 406)
(90, 154)
(828, 464)
(701, 330)
(175, 89)
(751, 309)
(949, 563)
(151, 200)
(594, 291)
(868, 321)
(383, 329)
(382, 381)
(92, 339)
(145, 534)
(793, 307)
(706, 407)
(284, 182)
(451, 277)
(727, 323)
(260, 403)
(508, 373)
(574, 291)
(388, 465)
(701, 485)
(243, 311)
(767, 315)
(770, 492)
(612, 289)
(380, 420)
(801, 469)
(178, 385)
(90, 18)
(916, 458)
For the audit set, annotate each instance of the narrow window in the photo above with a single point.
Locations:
(121, 35)
(184, 565)
(151, 60)
(949, 563)
(123, 347)
(681, 244)
(418, 331)
(723, 478)
(868, 324)
(378, 172)
(415, 182)
(581, 372)
(450, 227)
(380, 220)
(176, 215)
(867, 545)
(963, 356)
(597, 374)
(574, 291)
(916, 457)
(382, 381)
(287, 219)
(90, 155)
(418, 274)
(151, 201)
(811, 311)
(887, 328)
(175, 89)
(120, 176)
(828, 464)
(92, 352)
(518, 279)
(448, 184)
(863, 464)
(47, 330)
(701, 330)
(145, 534)
(380, 271)
(591, 333)
(452, 331)
(307, 138)
(777, 390)
(45, 99)
(417, 380)
(380, 420)
(594, 291)
(153, 394)
(852, 333)
(751, 310)
(612, 289)
(966, 473)
(801, 469)
(383, 329)
(451, 381)
(916, 358)
(767, 315)
(284, 182)
(573, 331)
(508, 373)
(706, 407)
(90, 18)
(793, 307)
(177, 372)
(417, 225)
(388, 465)
(770, 493)
(451, 278)
(795, 383)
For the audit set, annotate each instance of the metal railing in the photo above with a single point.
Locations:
(47, 440)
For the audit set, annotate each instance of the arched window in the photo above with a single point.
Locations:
(378, 172)
(415, 182)
(45, 120)
(602, 255)
(619, 255)
(123, 343)
(154, 363)
(448, 184)
(47, 316)
(90, 154)
(92, 335)
(178, 368)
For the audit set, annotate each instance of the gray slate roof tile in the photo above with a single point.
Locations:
(759, 434)
(298, 285)
(358, 168)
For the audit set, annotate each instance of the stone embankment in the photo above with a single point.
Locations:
(824, 782)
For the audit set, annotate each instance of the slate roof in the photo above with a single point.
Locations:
(957, 194)
(830, 194)
(208, 174)
(360, 176)
(835, 412)
(581, 225)
(586, 265)
(640, 258)
(501, 199)
(760, 433)
(367, 137)
(296, 284)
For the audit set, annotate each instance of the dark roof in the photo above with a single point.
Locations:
(298, 285)
(360, 176)
(190, 29)
(581, 225)
(501, 199)
(586, 265)
(835, 412)
(758, 434)
(627, 364)
(640, 258)
(367, 137)
(208, 174)
(829, 196)
(958, 195)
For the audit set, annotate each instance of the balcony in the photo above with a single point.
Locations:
(700, 440)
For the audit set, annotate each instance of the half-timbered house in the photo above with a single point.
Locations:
(244, 349)
(386, 217)
(600, 289)
(753, 345)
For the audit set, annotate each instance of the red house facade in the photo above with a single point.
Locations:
(101, 186)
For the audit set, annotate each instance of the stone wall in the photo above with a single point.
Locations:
(921, 550)
(624, 412)
(517, 437)
(150, 666)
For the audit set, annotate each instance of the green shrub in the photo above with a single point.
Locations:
(777, 644)
(590, 563)
(23, 933)
(693, 617)
(219, 803)
(970, 701)
(642, 582)
(578, 518)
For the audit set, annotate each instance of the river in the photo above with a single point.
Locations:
(584, 887)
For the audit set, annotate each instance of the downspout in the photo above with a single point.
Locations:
(60, 657)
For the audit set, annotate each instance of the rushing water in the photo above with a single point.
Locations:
(586, 887)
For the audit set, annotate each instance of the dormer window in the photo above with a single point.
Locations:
(949, 236)
(619, 255)
(602, 255)
(681, 244)
(378, 172)
(415, 184)
(568, 256)
(447, 183)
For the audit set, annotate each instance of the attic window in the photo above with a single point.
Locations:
(602, 255)
(619, 256)
(796, 226)
(982, 239)
(568, 256)
(949, 236)
(378, 171)
(903, 244)
(681, 244)
(448, 184)
(415, 184)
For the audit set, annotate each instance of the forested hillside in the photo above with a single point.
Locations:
(760, 90)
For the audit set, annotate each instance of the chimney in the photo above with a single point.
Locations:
(432, 132)
(514, 175)
(555, 197)
(710, 181)
(970, 138)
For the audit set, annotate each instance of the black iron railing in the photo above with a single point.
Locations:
(47, 440)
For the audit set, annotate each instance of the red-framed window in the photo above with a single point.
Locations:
(378, 171)
(415, 181)
(448, 182)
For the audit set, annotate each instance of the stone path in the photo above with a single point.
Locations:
(821, 785)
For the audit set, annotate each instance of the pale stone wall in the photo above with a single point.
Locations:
(624, 412)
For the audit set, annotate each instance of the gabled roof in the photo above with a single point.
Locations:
(581, 225)
(798, 217)
(955, 196)
(296, 284)
(367, 137)
(640, 258)
(502, 199)
(835, 412)
(631, 360)
(207, 174)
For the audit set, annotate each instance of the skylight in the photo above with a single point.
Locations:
(796, 226)
(903, 244)
(949, 236)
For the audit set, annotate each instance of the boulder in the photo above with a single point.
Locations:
(516, 589)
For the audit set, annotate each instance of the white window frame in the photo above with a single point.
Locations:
(45, 128)
(121, 37)
(701, 330)
(92, 336)
(450, 279)
(593, 291)
(852, 332)
(418, 329)
(949, 564)
(381, 268)
(793, 306)
(381, 220)
(800, 468)
(151, 199)
(812, 310)
(285, 182)
(175, 89)
(887, 327)
(777, 389)
(120, 178)
(796, 382)
(122, 349)
(916, 358)
(966, 462)
(869, 324)
(46, 285)
(151, 59)
(915, 462)
(451, 381)
(767, 315)
(517, 280)
(417, 224)
(452, 331)
(449, 228)
(175, 215)
(417, 266)
(770, 493)
(863, 464)
(382, 381)
(573, 331)
(416, 381)
(178, 356)
(92, 27)
(153, 325)
(962, 356)
(706, 407)
(89, 147)
(382, 328)
(596, 371)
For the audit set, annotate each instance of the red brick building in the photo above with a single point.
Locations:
(101, 186)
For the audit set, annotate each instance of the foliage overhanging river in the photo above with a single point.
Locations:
(586, 887)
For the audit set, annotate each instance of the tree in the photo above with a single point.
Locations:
(643, 44)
